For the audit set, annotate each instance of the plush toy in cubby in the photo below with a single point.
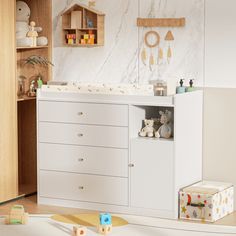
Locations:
(158, 127)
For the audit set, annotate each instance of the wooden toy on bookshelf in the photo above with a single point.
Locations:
(17, 216)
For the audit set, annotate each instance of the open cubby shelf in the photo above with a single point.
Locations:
(82, 26)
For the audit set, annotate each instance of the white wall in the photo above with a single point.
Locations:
(220, 53)
(219, 157)
(119, 59)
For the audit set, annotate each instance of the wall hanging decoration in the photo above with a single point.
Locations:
(169, 37)
(150, 44)
(158, 22)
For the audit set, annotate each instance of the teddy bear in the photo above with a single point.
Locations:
(166, 130)
(148, 130)
(23, 27)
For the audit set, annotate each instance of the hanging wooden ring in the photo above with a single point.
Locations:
(157, 41)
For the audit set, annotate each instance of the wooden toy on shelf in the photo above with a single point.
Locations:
(104, 229)
(87, 24)
(17, 216)
(79, 230)
(33, 34)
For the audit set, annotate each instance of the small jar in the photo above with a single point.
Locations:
(21, 86)
(160, 88)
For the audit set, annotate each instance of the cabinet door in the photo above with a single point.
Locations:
(8, 134)
(152, 174)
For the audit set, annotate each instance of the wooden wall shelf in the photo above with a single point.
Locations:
(82, 26)
(30, 48)
(161, 22)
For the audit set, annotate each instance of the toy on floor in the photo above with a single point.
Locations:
(17, 216)
(166, 130)
(79, 230)
(105, 226)
(148, 130)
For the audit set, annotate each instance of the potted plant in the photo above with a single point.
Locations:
(36, 61)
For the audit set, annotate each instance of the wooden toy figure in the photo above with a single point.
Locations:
(17, 216)
(79, 230)
(33, 34)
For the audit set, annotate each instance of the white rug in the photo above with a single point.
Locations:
(43, 226)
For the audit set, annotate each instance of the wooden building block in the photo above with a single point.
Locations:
(104, 229)
(79, 230)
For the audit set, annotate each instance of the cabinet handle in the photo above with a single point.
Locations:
(80, 135)
(80, 113)
(81, 159)
(131, 165)
(81, 187)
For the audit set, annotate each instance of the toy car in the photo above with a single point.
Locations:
(17, 215)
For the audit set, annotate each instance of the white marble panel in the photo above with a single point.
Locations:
(188, 46)
(119, 60)
(116, 61)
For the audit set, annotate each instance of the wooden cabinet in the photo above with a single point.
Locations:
(96, 160)
(41, 13)
(8, 110)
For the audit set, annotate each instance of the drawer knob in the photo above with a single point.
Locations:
(131, 165)
(81, 187)
(80, 113)
(80, 135)
(81, 159)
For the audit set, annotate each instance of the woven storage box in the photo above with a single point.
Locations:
(206, 201)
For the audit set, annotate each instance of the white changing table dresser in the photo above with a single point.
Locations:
(90, 155)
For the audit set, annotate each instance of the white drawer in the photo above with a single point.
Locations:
(83, 113)
(82, 159)
(104, 136)
(89, 188)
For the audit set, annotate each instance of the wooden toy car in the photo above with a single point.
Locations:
(17, 215)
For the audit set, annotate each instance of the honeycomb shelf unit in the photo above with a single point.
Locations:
(82, 26)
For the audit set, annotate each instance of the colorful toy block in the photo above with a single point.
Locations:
(104, 229)
(105, 219)
(17, 216)
(79, 230)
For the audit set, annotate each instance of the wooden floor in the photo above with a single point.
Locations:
(31, 206)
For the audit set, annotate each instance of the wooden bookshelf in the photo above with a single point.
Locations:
(41, 13)
(85, 25)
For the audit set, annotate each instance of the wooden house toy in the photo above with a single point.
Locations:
(86, 23)
(17, 215)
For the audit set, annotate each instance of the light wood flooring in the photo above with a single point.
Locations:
(31, 206)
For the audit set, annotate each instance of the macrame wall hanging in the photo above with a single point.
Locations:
(152, 40)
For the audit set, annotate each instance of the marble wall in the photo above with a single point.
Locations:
(119, 60)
